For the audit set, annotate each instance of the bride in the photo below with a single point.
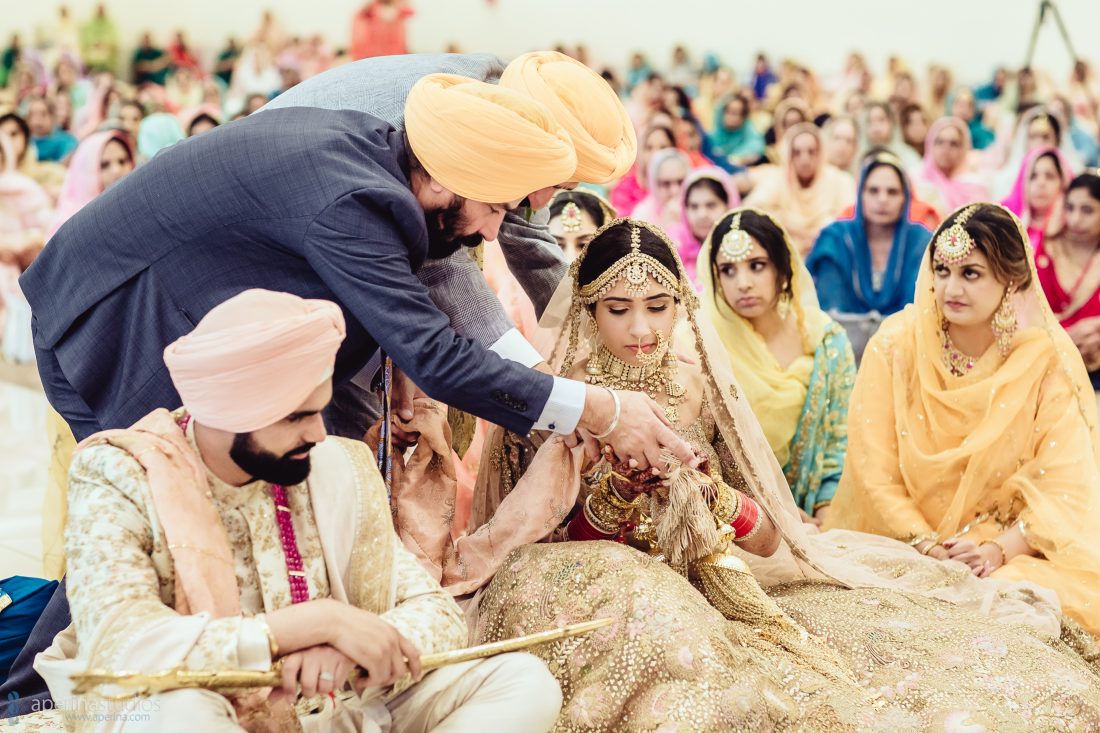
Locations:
(853, 631)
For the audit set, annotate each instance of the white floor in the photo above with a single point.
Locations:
(24, 457)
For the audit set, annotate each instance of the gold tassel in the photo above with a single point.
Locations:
(684, 525)
(728, 585)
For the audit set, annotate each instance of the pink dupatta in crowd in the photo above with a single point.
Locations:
(82, 182)
(944, 191)
(1017, 202)
(686, 243)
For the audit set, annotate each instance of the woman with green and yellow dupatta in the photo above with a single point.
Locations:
(793, 361)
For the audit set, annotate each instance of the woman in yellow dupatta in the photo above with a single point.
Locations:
(793, 362)
(972, 431)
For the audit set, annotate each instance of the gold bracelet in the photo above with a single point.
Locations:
(611, 494)
(726, 505)
(930, 537)
(272, 645)
(933, 544)
(599, 523)
(999, 546)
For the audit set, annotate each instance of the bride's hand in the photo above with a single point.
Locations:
(634, 481)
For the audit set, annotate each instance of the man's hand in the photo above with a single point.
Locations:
(375, 645)
(642, 433)
(317, 670)
(402, 395)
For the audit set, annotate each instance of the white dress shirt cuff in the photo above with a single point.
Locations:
(253, 646)
(563, 408)
(514, 347)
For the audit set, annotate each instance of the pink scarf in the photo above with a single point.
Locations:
(686, 243)
(955, 189)
(82, 181)
(1017, 202)
(205, 577)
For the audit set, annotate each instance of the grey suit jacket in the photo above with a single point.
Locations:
(379, 87)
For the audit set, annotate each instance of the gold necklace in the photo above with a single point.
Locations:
(656, 378)
(956, 362)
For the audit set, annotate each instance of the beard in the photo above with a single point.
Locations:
(285, 470)
(443, 227)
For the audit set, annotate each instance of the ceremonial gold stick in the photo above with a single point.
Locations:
(142, 684)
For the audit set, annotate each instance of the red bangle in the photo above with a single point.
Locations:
(745, 520)
(580, 529)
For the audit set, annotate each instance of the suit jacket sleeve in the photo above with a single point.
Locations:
(359, 249)
(533, 255)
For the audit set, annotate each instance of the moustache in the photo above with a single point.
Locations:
(299, 451)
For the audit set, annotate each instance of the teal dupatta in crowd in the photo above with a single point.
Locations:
(820, 442)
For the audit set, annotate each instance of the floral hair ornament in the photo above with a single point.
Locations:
(955, 244)
(737, 244)
(571, 220)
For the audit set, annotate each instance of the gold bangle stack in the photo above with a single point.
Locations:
(726, 505)
(930, 537)
(601, 515)
(607, 491)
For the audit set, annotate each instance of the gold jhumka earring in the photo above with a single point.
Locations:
(783, 307)
(1004, 323)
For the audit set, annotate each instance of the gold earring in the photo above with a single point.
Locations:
(593, 370)
(1004, 323)
(783, 307)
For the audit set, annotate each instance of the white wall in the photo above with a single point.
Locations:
(969, 35)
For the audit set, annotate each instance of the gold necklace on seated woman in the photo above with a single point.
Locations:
(655, 375)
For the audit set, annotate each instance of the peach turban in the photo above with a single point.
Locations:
(585, 105)
(484, 142)
(255, 358)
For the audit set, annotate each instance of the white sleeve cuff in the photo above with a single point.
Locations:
(253, 647)
(563, 408)
(514, 347)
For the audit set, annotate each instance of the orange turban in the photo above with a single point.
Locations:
(255, 358)
(585, 105)
(484, 142)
